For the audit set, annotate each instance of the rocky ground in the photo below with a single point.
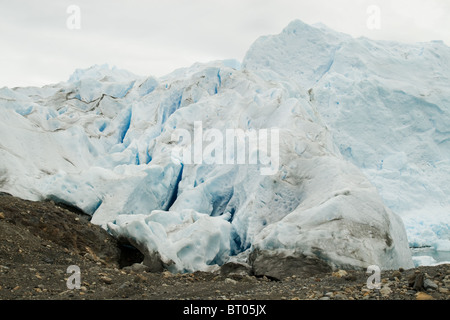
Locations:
(39, 241)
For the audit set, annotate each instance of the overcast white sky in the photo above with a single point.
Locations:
(157, 36)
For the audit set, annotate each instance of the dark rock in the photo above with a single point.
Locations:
(396, 274)
(48, 260)
(350, 277)
(340, 296)
(419, 283)
(429, 284)
(411, 280)
(235, 268)
(281, 264)
(124, 285)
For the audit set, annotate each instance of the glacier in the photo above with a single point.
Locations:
(363, 153)
(388, 109)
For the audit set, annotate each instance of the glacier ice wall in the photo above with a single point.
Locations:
(361, 135)
(103, 143)
(387, 106)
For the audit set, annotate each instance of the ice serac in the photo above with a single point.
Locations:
(103, 142)
(387, 106)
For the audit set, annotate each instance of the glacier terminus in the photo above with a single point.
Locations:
(317, 151)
